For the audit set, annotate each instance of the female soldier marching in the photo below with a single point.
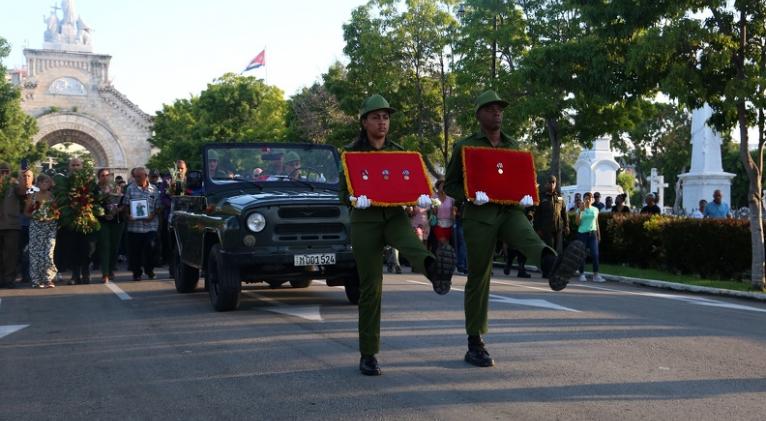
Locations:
(372, 228)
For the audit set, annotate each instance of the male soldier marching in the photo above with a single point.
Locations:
(551, 221)
(485, 223)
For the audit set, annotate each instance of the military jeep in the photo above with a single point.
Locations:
(262, 212)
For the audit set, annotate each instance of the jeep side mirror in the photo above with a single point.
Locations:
(194, 179)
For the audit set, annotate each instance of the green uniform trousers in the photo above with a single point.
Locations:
(108, 241)
(371, 230)
(505, 223)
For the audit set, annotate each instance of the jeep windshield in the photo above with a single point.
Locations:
(273, 164)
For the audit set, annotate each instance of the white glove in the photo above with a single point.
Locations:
(527, 201)
(481, 198)
(361, 202)
(424, 202)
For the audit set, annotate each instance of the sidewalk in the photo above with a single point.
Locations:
(665, 285)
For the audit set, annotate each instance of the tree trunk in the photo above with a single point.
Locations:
(753, 171)
(555, 138)
(445, 111)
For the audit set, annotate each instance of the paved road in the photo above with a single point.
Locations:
(595, 351)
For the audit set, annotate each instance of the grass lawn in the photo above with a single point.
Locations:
(659, 275)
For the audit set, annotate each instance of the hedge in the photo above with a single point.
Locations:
(711, 248)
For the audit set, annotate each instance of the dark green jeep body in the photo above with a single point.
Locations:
(266, 212)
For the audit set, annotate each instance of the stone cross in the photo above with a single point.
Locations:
(657, 186)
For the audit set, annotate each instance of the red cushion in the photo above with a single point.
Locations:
(506, 175)
(386, 178)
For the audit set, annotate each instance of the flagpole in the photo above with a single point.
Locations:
(266, 68)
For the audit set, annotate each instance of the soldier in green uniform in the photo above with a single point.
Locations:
(485, 223)
(551, 221)
(373, 227)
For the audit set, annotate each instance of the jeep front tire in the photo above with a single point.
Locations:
(223, 282)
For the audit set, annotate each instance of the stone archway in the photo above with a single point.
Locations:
(60, 127)
(82, 139)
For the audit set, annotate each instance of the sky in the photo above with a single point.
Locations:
(163, 50)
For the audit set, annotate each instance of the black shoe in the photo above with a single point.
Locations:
(560, 269)
(507, 269)
(390, 268)
(85, 281)
(523, 274)
(439, 271)
(368, 365)
(8, 285)
(136, 277)
(477, 355)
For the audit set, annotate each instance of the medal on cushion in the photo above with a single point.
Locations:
(499, 167)
(365, 175)
(406, 175)
(386, 174)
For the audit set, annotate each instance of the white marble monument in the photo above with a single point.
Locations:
(596, 172)
(706, 174)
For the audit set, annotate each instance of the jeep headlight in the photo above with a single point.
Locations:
(256, 222)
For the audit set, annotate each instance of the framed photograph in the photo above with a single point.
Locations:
(139, 209)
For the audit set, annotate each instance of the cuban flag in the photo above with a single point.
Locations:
(258, 61)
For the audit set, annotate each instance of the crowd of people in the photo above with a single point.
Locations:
(83, 220)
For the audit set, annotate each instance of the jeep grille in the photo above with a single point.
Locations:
(300, 212)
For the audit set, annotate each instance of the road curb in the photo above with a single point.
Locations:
(669, 285)
(686, 287)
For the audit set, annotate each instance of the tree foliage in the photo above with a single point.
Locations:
(16, 127)
(231, 109)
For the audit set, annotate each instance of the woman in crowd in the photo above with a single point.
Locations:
(373, 227)
(43, 213)
(445, 215)
(588, 232)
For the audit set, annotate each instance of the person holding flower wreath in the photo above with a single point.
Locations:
(44, 214)
(76, 200)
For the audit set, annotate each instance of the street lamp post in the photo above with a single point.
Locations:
(461, 13)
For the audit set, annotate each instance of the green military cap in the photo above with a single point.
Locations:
(489, 97)
(211, 154)
(4, 166)
(374, 103)
(292, 156)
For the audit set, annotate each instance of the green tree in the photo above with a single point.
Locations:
(697, 51)
(314, 114)
(231, 109)
(401, 50)
(16, 127)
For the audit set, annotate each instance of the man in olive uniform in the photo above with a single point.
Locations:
(551, 222)
(485, 223)
(12, 193)
(372, 227)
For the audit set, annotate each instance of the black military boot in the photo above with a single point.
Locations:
(439, 271)
(561, 268)
(477, 355)
(368, 365)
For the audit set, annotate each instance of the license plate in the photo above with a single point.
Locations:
(314, 259)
